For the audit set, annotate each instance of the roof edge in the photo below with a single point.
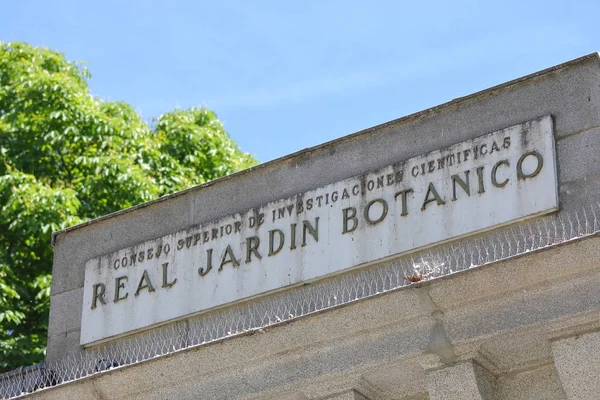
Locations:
(416, 115)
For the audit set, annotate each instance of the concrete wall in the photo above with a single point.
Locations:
(569, 92)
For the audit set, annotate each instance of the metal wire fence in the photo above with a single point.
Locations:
(389, 275)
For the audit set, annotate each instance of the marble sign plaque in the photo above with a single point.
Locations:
(494, 179)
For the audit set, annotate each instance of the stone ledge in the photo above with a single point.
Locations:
(327, 354)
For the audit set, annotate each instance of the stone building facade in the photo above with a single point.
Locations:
(432, 282)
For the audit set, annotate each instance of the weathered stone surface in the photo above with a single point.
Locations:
(475, 285)
(537, 384)
(63, 345)
(350, 395)
(464, 381)
(539, 305)
(577, 360)
(578, 195)
(80, 390)
(64, 312)
(577, 154)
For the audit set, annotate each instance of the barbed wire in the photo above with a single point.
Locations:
(302, 301)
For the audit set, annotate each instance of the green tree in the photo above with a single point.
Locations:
(66, 157)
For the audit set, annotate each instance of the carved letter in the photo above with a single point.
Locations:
(480, 180)
(384, 211)
(464, 185)
(98, 294)
(404, 193)
(540, 164)
(145, 283)
(228, 257)
(495, 169)
(201, 270)
(436, 197)
(272, 249)
(252, 244)
(313, 231)
(118, 286)
(166, 283)
(292, 236)
(349, 214)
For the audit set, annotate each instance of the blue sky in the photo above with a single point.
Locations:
(286, 75)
